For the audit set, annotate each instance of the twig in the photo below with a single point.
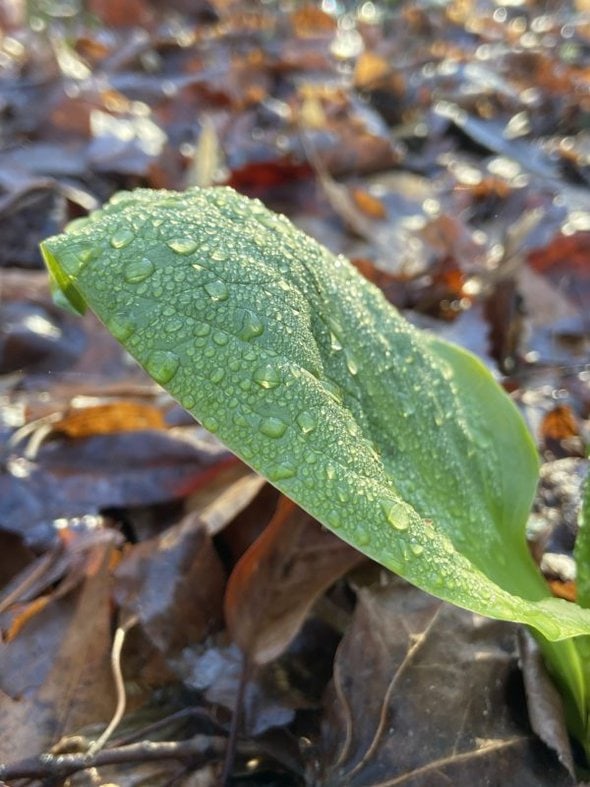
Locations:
(199, 714)
(118, 642)
(200, 748)
(36, 571)
(232, 740)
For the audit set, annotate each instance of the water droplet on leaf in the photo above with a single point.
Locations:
(281, 471)
(273, 427)
(121, 326)
(351, 363)
(182, 245)
(220, 338)
(334, 520)
(203, 329)
(217, 290)
(210, 423)
(267, 376)
(335, 343)
(162, 365)
(306, 422)
(121, 238)
(252, 326)
(138, 270)
(396, 514)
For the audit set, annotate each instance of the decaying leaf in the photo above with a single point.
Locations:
(427, 695)
(56, 674)
(277, 580)
(174, 585)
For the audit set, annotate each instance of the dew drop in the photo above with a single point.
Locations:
(330, 471)
(220, 338)
(342, 493)
(217, 376)
(306, 422)
(89, 253)
(351, 363)
(335, 343)
(417, 549)
(396, 514)
(362, 537)
(119, 197)
(138, 270)
(281, 471)
(217, 290)
(121, 326)
(273, 427)
(182, 245)
(121, 238)
(203, 329)
(267, 376)
(334, 520)
(219, 255)
(210, 423)
(332, 390)
(240, 420)
(162, 365)
(252, 327)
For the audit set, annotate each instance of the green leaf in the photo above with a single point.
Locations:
(400, 443)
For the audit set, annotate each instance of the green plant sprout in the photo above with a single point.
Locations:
(399, 442)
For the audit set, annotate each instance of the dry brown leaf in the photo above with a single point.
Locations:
(68, 684)
(174, 585)
(277, 580)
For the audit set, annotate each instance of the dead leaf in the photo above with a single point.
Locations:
(309, 21)
(125, 469)
(56, 674)
(174, 585)
(276, 582)
(425, 694)
(544, 703)
(565, 262)
(108, 418)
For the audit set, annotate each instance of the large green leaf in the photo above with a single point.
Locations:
(402, 444)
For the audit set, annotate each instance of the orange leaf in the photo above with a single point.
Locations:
(566, 590)
(109, 418)
(370, 68)
(369, 205)
(310, 21)
(559, 424)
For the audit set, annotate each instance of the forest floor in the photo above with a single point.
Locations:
(444, 147)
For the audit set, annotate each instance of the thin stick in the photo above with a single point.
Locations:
(199, 749)
(232, 740)
(118, 642)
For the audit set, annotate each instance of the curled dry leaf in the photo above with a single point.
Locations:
(544, 703)
(277, 580)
